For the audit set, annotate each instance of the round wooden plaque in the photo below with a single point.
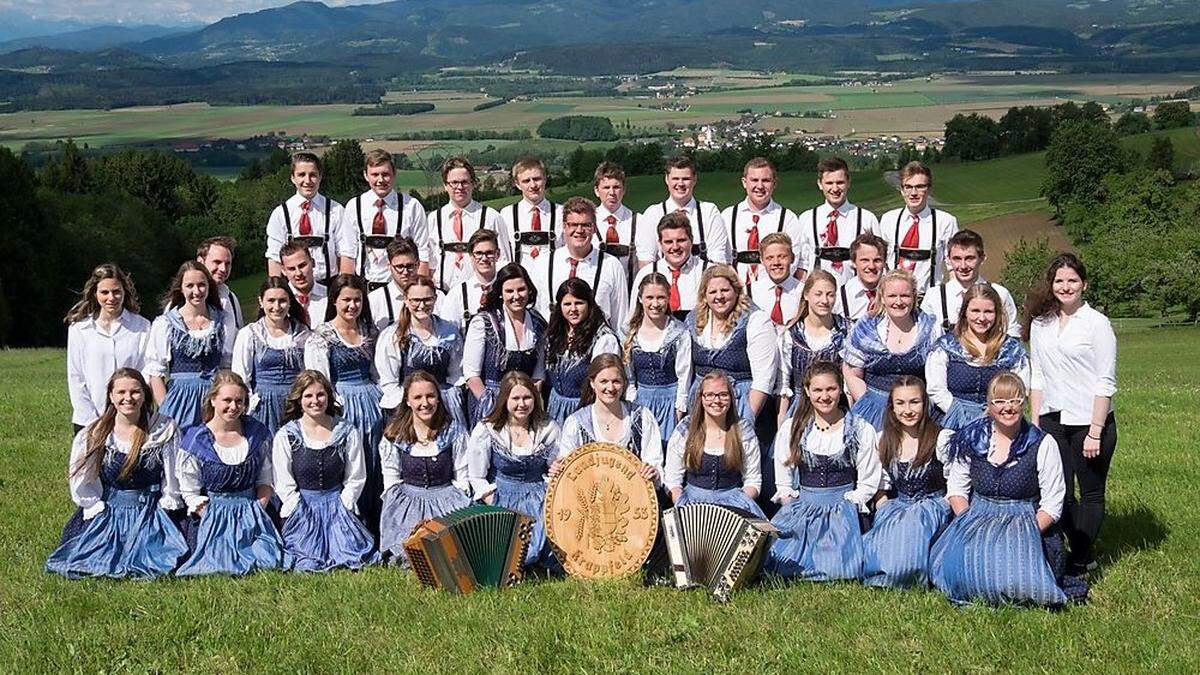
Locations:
(601, 514)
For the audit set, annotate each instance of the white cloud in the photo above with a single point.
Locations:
(166, 12)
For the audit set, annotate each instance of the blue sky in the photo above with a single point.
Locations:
(164, 12)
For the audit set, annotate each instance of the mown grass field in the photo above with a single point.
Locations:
(1142, 614)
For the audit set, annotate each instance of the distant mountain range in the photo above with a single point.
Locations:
(370, 47)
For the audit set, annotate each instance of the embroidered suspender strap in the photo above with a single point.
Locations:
(516, 233)
(845, 303)
(945, 309)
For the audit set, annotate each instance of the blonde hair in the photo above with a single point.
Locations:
(876, 308)
(693, 448)
(994, 338)
(220, 379)
(741, 307)
(525, 163)
(819, 274)
(1006, 384)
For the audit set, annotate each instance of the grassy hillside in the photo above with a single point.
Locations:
(1141, 616)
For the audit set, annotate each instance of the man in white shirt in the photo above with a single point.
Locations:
(867, 254)
(464, 299)
(616, 224)
(917, 232)
(386, 301)
(710, 238)
(676, 263)
(580, 257)
(452, 225)
(964, 256)
(756, 216)
(379, 215)
(296, 265)
(777, 290)
(533, 226)
(829, 229)
(310, 218)
(216, 254)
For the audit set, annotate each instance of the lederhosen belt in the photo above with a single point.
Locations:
(532, 237)
(700, 249)
(376, 242)
(748, 257)
(918, 254)
(454, 246)
(311, 241)
(833, 253)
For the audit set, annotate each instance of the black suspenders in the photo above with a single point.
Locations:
(466, 304)
(817, 248)
(362, 243)
(945, 309)
(702, 248)
(845, 300)
(441, 241)
(595, 279)
(287, 221)
(932, 242)
(631, 263)
(516, 232)
(733, 233)
(388, 298)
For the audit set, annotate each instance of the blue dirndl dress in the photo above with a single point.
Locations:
(498, 360)
(274, 371)
(730, 358)
(968, 382)
(820, 536)
(881, 367)
(194, 361)
(802, 357)
(567, 373)
(322, 534)
(715, 483)
(133, 537)
(234, 535)
(993, 551)
(436, 359)
(896, 548)
(655, 379)
(426, 490)
(521, 486)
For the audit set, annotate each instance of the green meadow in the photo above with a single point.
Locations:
(1141, 617)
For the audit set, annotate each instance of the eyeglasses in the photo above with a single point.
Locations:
(918, 187)
(715, 396)
(1005, 402)
(484, 255)
(405, 267)
(458, 183)
(420, 301)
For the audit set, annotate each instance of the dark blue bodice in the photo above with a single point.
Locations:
(1017, 480)
(433, 359)
(730, 358)
(217, 476)
(567, 374)
(318, 469)
(147, 473)
(654, 368)
(923, 480)
(969, 382)
(888, 369)
(803, 357)
(713, 474)
(524, 468)
(350, 365)
(828, 470)
(495, 364)
(276, 367)
(427, 472)
(191, 354)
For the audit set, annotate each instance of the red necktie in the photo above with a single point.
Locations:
(305, 225)
(574, 267)
(911, 240)
(752, 245)
(611, 237)
(535, 224)
(777, 312)
(675, 302)
(870, 297)
(379, 224)
(302, 298)
(831, 236)
(458, 232)
(483, 292)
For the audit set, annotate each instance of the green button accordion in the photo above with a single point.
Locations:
(478, 546)
(716, 547)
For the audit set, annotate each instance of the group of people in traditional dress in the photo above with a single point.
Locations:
(852, 377)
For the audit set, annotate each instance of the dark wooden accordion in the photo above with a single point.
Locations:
(716, 547)
(479, 545)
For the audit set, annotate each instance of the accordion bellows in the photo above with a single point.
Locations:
(716, 547)
(479, 545)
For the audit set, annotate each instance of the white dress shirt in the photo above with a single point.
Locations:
(254, 337)
(651, 450)
(829, 443)
(95, 353)
(1051, 484)
(448, 270)
(674, 470)
(932, 304)
(524, 211)
(479, 451)
(390, 459)
(624, 217)
(317, 301)
(474, 348)
(389, 361)
(354, 476)
(762, 294)
(935, 376)
(941, 451)
(716, 232)
(610, 291)
(739, 218)
(847, 230)
(1073, 365)
(278, 233)
(403, 216)
(852, 296)
(232, 307)
(190, 484)
(450, 306)
(689, 280)
(899, 220)
(683, 365)
(87, 491)
(158, 346)
(762, 346)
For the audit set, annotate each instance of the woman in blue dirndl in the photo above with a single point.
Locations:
(225, 476)
(713, 455)
(269, 353)
(506, 334)
(424, 456)
(319, 473)
(911, 509)
(418, 340)
(658, 351)
(826, 472)
(817, 334)
(122, 478)
(188, 343)
(964, 361)
(894, 340)
(731, 336)
(509, 455)
(577, 334)
(343, 350)
(1006, 488)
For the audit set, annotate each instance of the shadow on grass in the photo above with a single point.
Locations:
(1128, 528)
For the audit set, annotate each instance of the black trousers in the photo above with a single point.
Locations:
(1083, 513)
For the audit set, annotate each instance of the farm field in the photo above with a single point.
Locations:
(1140, 617)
